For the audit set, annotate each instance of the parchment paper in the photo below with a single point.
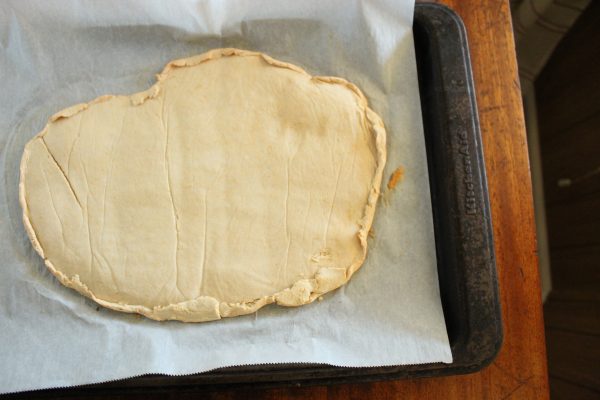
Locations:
(55, 54)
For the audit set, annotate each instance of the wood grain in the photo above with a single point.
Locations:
(577, 223)
(573, 154)
(572, 316)
(574, 357)
(568, 100)
(576, 269)
(562, 389)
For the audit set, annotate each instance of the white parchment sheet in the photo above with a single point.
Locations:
(57, 53)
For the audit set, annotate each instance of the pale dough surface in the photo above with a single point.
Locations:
(235, 181)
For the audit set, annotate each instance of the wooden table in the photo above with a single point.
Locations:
(519, 371)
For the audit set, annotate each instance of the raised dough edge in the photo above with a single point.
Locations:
(207, 308)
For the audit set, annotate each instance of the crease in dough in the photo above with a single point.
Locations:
(327, 275)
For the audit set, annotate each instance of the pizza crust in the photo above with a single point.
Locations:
(234, 182)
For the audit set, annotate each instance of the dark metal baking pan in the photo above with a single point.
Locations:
(462, 224)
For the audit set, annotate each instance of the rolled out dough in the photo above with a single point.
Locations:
(235, 181)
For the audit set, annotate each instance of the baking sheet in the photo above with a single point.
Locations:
(55, 54)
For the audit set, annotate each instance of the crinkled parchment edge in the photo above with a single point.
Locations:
(207, 308)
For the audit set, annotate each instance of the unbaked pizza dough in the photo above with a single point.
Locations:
(235, 181)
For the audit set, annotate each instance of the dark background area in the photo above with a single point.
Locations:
(568, 103)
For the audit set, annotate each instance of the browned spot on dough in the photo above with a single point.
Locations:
(395, 178)
(371, 233)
